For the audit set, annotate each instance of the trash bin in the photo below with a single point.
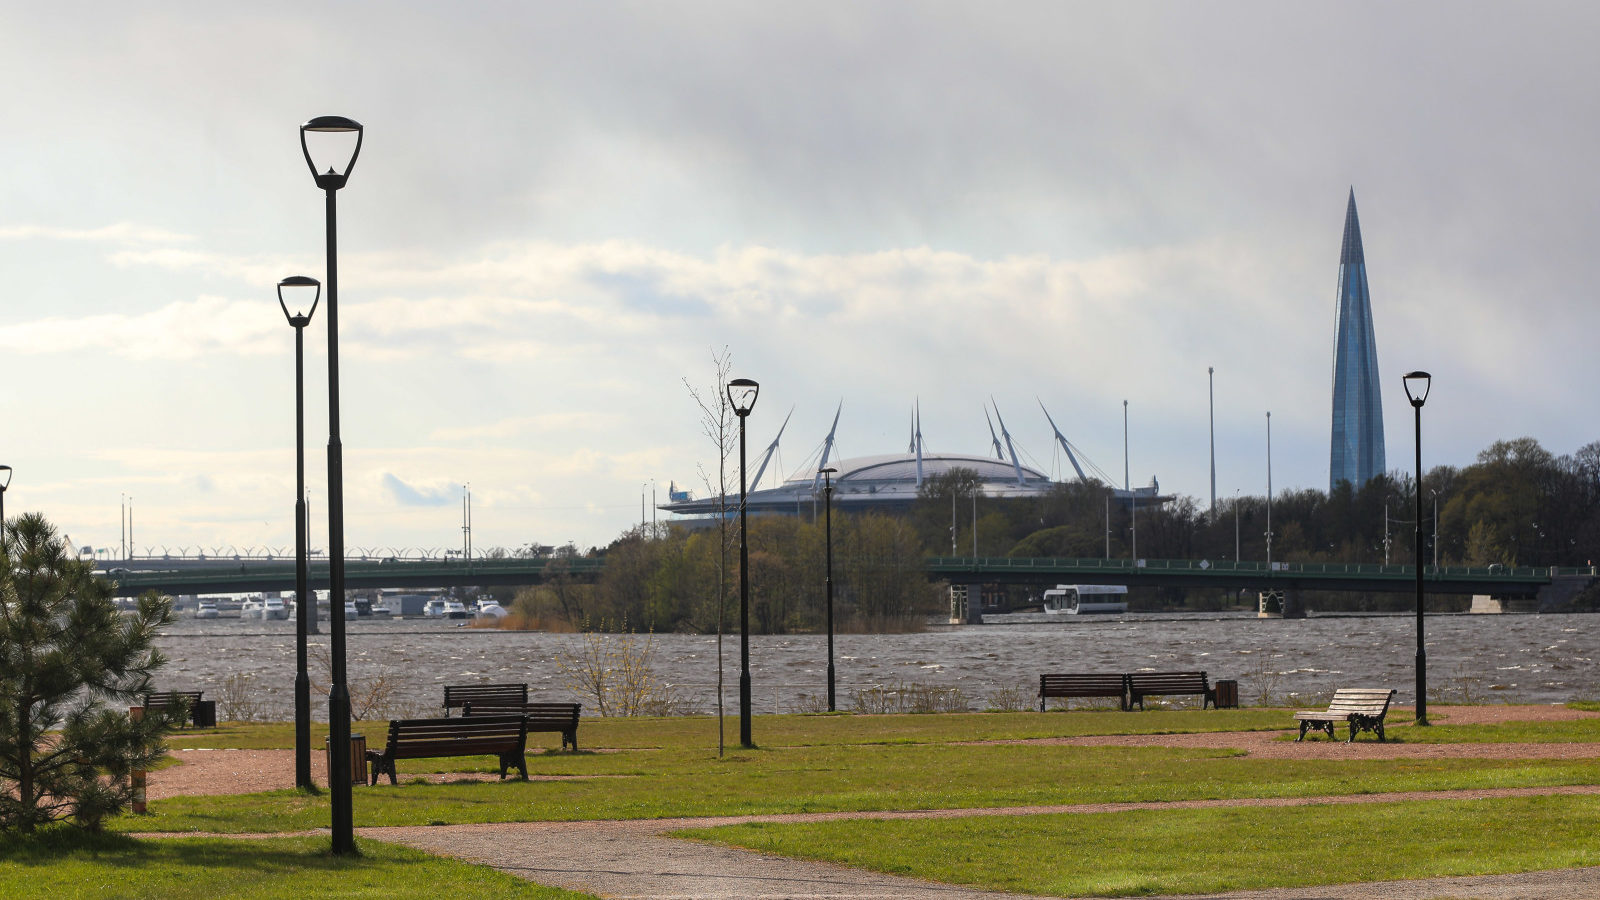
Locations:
(358, 759)
(205, 714)
(1227, 694)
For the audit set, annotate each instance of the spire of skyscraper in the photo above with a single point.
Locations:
(1357, 445)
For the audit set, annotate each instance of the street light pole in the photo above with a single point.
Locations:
(339, 693)
(302, 609)
(1133, 499)
(742, 396)
(1269, 491)
(5, 482)
(1424, 384)
(1435, 532)
(1211, 386)
(827, 493)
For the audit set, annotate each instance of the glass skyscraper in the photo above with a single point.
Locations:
(1357, 453)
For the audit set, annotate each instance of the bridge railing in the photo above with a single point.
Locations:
(252, 571)
(967, 564)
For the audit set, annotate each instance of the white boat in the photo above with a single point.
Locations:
(1083, 599)
(206, 609)
(254, 608)
(455, 609)
(489, 608)
(433, 609)
(274, 608)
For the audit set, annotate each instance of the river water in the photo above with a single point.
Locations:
(1482, 658)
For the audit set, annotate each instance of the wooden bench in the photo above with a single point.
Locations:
(502, 736)
(203, 713)
(1362, 708)
(1165, 684)
(1084, 684)
(561, 717)
(457, 696)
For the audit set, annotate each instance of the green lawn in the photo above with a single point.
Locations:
(654, 768)
(66, 862)
(662, 783)
(797, 730)
(1201, 851)
(1574, 731)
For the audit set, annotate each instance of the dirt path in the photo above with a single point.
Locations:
(635, 860)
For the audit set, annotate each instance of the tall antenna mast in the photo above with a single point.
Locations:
(771, 449)
(992, 439)
(1017, 466)
(827, 446)
(1065, 444)
(919, 442)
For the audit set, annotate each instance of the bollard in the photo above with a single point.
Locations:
(136, 777)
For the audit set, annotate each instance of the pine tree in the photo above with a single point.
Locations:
(68, 660)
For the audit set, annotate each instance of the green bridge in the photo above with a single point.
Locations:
(1507, 581)
(251, 575)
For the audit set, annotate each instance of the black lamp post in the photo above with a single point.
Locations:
(827, 518)
(5, 482)
(1418, 384)
(331, 181)
(298, 286)
(742, 396)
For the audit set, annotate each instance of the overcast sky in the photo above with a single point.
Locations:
(562, 210)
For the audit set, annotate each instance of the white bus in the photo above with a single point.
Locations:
(1081, 599)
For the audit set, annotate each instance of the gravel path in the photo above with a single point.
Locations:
(635, 860)
(632, 859)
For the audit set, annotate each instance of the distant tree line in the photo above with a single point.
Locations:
(1518, 504)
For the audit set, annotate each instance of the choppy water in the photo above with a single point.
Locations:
(1522, 658)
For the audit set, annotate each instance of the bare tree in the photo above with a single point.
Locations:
(716, 421)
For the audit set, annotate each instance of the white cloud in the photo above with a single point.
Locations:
(1081, 202)
(120, 233)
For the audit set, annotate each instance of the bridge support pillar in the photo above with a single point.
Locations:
(966, 605)
(1294, 604)
(1484, 603)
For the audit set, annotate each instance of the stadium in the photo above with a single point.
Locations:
(891, 483)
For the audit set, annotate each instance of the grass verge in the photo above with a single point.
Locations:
(796, 730)
(1568, 732)
(67, 862)
(1201, 851)
(850, 778)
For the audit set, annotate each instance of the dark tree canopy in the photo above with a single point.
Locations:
(70, 663)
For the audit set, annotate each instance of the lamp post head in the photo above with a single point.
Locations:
(329, 149)
(742, 395)
(1418, 384)
(5, 477)
(298, 285)
(827, 478)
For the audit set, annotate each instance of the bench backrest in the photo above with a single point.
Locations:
(1360, 702)
(459, 695)
(172, 698)
(563, 714)
(422, 738)
(1168, 683)
(1082, 684)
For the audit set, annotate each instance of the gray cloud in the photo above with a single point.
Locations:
(406, 495)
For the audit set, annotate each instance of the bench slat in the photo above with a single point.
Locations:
(504, 736)
(1083, 684)
(539, 716)
(1163, 684)
(1363, 709)
(459, 695)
